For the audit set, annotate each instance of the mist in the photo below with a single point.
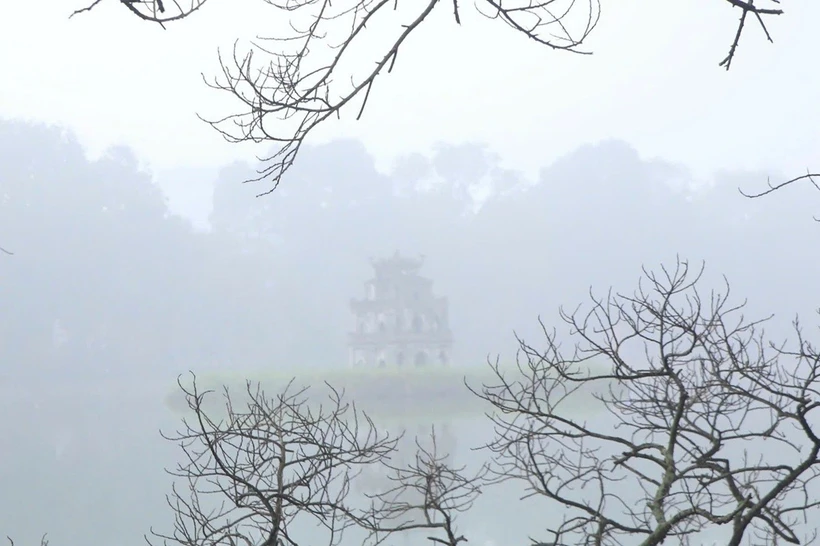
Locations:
(122, 279)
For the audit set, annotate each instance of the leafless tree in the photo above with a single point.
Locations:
(286, 86)
(427, 494)
(704, 425)
(259, 473)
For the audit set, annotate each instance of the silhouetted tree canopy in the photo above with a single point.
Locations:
(105, 280)
(104, 277)
(107, 287)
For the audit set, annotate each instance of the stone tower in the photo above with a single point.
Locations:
(399, 322)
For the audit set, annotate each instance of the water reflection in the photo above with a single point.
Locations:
(86, 465)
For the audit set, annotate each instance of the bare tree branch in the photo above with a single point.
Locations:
(286, 86)
(43, 540)
(250, 475)
(707, 424)
(293, 88)
(426, 494)
(773, 188)
(746, 8)
(155, 11)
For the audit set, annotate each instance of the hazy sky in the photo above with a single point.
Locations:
(653, 81)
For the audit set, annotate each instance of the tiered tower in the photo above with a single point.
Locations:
(399, 322)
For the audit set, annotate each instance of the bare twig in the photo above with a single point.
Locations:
(748, 7)
(286, 86)
(154, 11)
(536, 19)
(773, 188)
(426, 494)
(43, 540)
(253, 471)
(707, 424)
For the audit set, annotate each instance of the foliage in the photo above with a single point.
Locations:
(104, 280)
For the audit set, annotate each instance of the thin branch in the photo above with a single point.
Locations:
(155, 11)
(772, 188)
(702, 421)
(277, 460)
(748, 7)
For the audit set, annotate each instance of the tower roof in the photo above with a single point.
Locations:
(397, 264)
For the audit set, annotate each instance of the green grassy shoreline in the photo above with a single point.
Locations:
(387, 395)
(384, 394)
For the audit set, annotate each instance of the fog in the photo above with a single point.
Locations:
(122, 279)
